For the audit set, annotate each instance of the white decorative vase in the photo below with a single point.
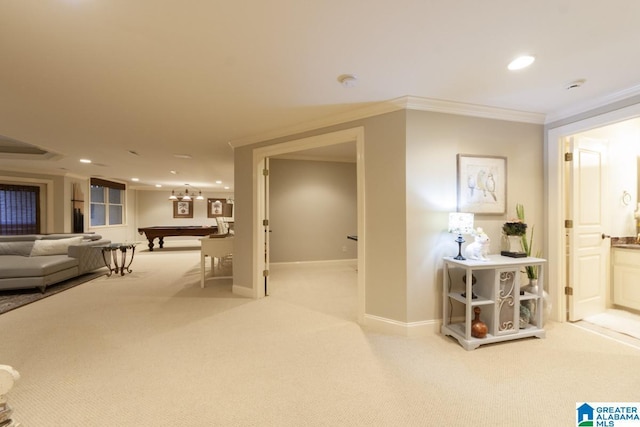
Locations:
(515, 243)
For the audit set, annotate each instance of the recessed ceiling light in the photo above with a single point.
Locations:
(85, 161)
(521, 62)
(218, 182)
(135, 179)
(226, 188)
(158, 185)
(173, 172)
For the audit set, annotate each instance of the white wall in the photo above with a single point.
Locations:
(312, 209)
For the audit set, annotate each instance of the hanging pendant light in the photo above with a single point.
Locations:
(185, 196)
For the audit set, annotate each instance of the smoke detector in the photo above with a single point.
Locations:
(347, 80)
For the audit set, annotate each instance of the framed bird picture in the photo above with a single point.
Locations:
(482, 184)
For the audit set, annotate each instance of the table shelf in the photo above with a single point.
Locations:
(496, 283)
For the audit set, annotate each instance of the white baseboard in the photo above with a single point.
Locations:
(329, 262)
(242, 291)
(412, 329)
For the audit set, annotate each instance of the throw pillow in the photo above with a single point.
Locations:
(54, 247)
(16, 248)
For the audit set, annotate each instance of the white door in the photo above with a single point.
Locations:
(588, 250)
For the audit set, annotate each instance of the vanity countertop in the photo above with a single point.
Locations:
(625, 242)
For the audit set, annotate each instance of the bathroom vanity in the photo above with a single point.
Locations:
(626, 274)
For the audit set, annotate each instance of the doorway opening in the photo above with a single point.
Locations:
(611, 127)
(261, 158)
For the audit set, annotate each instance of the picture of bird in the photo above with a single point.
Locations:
(481, 184)
(491, 186)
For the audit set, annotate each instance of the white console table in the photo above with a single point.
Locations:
(498, 294)
(213, 247)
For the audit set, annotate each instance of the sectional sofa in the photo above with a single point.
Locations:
(40, 260)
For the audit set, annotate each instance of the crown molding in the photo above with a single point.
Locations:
(402, 103)
(593, 104)
(33, 170)
(375, 109)
(473, 110)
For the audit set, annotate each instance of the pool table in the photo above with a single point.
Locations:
(163, 231)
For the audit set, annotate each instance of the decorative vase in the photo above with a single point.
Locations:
(478, 327)
(515, 244)
(531, 288)
(512, 246)
(525, 316)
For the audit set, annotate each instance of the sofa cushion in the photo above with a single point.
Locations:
(54, 247)
(20, 266)
(19, 238)
(16, 248)
(56, 236)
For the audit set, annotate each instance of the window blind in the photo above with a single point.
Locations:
(19, 209)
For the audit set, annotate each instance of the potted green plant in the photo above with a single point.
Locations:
(514, 230)
(527, 246)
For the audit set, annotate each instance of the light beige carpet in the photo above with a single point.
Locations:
(154, 349)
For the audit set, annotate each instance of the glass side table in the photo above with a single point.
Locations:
(114, 256)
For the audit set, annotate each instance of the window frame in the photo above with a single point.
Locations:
(106, 186)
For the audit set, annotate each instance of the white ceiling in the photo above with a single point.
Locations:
(101, 78)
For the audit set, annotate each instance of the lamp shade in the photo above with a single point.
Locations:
(186, 196)
(460, 223)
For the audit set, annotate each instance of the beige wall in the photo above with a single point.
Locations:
(153, 208)
(410, 187)
(312, 208)
(433, 141)
(384, 210)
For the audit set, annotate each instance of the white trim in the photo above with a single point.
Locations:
(315, 158)
(460, 108)
(46, 155)
(356, 114)
(260, 154)
(405, 102)
(328, 262)
(555, 206)
(394, 327)
(593, 104)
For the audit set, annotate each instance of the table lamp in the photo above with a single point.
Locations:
(460, 223)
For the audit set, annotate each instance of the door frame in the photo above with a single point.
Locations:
(355, 135)
(555, 188)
